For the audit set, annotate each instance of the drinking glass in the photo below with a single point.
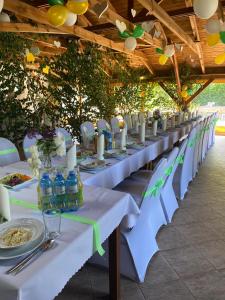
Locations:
(52, 221)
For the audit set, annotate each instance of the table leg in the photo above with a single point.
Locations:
(114, 265)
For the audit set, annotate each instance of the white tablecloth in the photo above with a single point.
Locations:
(47, 275)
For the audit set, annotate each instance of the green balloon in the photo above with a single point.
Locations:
(138, 31)
(159, 51)
(124, 35)
(222, 36)
(189, 91)
(55, 2)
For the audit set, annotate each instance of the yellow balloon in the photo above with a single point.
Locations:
(213, 39)
(184, 87)
(57, 15)
(220, 59)
(30, 57)
(163, 59)
(78, 7)
(184, 94)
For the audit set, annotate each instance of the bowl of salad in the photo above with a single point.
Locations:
(15, 180)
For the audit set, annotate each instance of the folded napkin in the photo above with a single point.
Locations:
(71, 158)
(4, 203)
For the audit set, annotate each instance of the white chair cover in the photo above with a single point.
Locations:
(103, 125)
(8, 152)
(205, 138)
(128, 120)
(141, 116)
(184, 173)
(27, 143)
(196, 150)
(67, 136)
(139, 244)
(115, 124)
(168, 197)
(87, 133)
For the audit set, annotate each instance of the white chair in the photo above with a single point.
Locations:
(205, 138)
(128, 120)
(27, 143)
(141, 116)
(67, 136)
(138, 245)
(103, 125)
(184, 172)
(167, 196)
(196, 149)
(115, 124)
(8, 152)
(87, 133)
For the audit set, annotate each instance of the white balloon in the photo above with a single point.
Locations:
(169, 50)
(205, 9)
(1, 5)
(213, 26)
(71, 19)
(130, 43)
(4, 18)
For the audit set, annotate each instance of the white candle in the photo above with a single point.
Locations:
(71, 158)
(155, 127)
(100, 147)
(123, 139)
(142, 133)
(173, 123)
(164, 124)
(137, 127)
(4, 203)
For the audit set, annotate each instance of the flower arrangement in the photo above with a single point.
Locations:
(49, 144)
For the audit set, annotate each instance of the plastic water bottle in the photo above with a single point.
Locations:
(71, 191)
(46, 192)
(60, 190)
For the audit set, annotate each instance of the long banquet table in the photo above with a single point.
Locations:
(46, 277)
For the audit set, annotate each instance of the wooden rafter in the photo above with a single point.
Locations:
(194, 26)
(112, 16)
(163, 86)
(177, 75)
(165, 19)
(83, 21)
(199, 91)
(39, 16)
(23, 27)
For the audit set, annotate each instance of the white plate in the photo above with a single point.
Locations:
(35, 226)
(92, 164)
(20, 251)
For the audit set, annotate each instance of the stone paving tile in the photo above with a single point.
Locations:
(170, 237)
(159, 271)
(187, 261)
(209, 286)
(175, 290)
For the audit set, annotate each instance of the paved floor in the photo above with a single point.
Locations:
(191, 263)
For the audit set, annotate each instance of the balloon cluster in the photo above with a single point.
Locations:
(216, 32)
(205, 9)
(169, 51)
(60, 14)
(186, 91)
(130, 37)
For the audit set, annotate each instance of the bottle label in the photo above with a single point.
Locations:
(47, 191)
(72, 189)
(60, 190)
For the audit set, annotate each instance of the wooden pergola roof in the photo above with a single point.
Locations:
(174, 19)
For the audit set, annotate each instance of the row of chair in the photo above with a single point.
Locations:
(157, 193)
(9, 153)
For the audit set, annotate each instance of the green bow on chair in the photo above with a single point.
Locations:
(153, 191)
(180, 159)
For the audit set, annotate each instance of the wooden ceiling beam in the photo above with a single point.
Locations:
(189, 100)
(167, 21)
(35, 14)
(177, 75)
(23, 27)
(194, 26)
(112, 16)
